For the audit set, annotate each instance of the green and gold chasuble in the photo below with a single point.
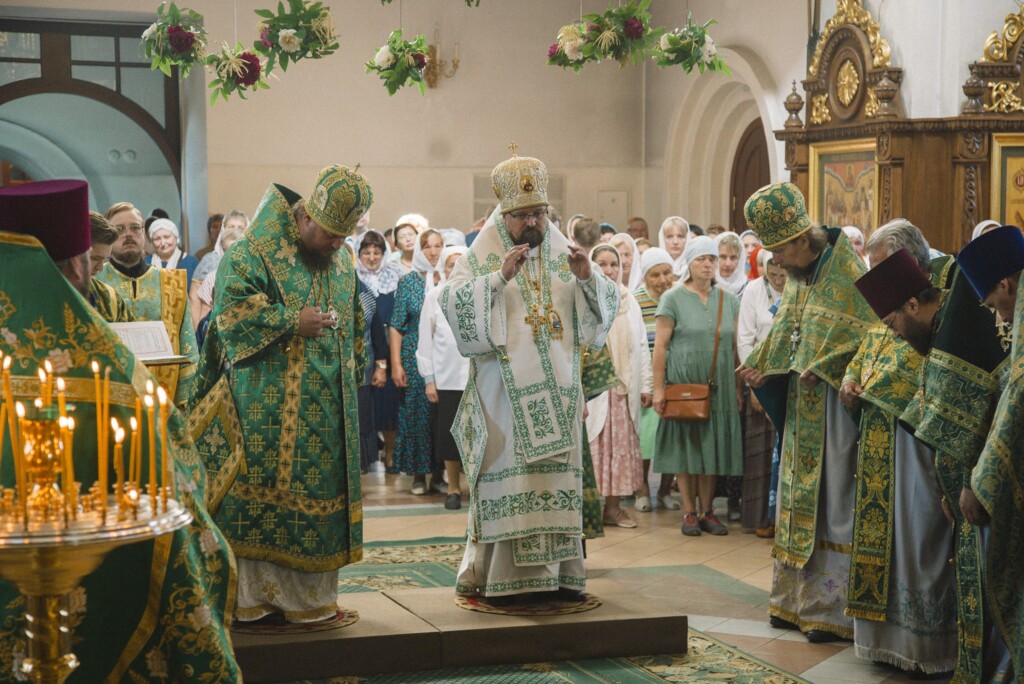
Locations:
(153, 611)
(105, 300)
(998, 482)
(818, 328)
(887, 368)
(275, 417)
(162, 295)
(952, 412)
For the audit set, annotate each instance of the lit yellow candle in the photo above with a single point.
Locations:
(71, 468)
(43, 383)
(98, 388)
(152, 453)
(161, 394)
(133, 452)
(62, 406)
(3, 426)
(119, 465)
(19, 464)
(48, 383)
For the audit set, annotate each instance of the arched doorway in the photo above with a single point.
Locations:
(750, 171)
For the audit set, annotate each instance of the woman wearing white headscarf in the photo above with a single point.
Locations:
(613, 418)
(445, 373)
(629, 257)
(750, 243)
(698, 452)
(413, 449)
(856, 236)
(672, 237)
(657, 277)
(983, 227)
(168, 254)
(380, 276)
(731, 275)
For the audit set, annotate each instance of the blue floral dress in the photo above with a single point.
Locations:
(415, 412)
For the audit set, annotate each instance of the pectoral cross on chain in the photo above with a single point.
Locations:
(794, 341)
(536, 320)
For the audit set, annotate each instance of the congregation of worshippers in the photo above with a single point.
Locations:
(841, 371)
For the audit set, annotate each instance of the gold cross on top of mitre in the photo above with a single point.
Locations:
(512, 146)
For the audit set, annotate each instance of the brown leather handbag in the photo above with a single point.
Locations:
(691, 403)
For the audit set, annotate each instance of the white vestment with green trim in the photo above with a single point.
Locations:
(518, 426)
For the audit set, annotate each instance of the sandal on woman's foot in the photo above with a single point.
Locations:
(618, 518)
(668, 503)
(643, 504)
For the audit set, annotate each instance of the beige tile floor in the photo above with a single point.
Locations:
(721, 583)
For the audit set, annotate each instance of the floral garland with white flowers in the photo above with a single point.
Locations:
(304, 30)
(400, 62)
(689, 47)
(176, 39)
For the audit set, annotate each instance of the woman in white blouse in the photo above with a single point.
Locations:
(761, 299)
(445, 373)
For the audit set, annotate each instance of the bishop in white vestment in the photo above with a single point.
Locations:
(522, 303)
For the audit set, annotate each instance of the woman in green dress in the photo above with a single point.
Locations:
(684, 340)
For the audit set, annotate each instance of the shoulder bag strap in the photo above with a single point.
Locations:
(718, 337)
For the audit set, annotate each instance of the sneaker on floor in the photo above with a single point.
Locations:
(377, 467)
(710, 523)
(643, 504)
(691, 526)
(419, 488)
(668, 503)
(453, 502)
(765, 532)
(438, 486)
(734, 510)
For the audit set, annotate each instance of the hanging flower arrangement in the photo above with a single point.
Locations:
(304, 30)
(622, 33)
(399, 62)
(689, 47)
(176, 39)
(237, 70)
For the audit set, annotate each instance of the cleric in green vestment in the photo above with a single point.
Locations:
(153, 611)
(993, 265)
(275, 417)
(796, 373)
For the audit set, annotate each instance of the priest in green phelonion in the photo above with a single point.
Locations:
(276, 419)
(796, 373)
(521, 303)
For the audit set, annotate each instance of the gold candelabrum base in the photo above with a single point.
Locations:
(47, 559)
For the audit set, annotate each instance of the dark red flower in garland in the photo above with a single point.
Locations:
(420, 59)
(553, 50)
(250, 70)
(181, 40)
(265, 38)
(633, 28)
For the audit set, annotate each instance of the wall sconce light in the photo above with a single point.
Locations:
(437, 67)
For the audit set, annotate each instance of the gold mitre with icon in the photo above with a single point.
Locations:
(520, 182)
(339, 199)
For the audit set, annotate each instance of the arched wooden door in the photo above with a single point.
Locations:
(749, 172)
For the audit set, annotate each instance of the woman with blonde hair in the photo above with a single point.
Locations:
(672, 237)
(613, 418)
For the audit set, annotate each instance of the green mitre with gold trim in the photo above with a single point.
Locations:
(777, 213)
(339, 199)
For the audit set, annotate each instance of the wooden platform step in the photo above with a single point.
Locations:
(423, 629)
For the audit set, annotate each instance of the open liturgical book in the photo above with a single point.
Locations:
(149, 342)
